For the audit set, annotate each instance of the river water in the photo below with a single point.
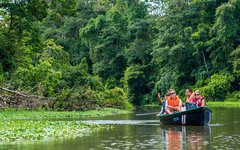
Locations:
(131, 132)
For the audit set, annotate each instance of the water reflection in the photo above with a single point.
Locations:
(129, 132)
(185, 137)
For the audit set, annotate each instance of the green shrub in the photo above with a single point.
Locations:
(41, 78)
(115, 98)
(1, 74)
(134, 79)
(217, 86)
(75, 75)
(84, 98)
(78, 98)
(233, 97)
(111, 83)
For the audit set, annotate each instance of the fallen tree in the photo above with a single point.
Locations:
(16, 99)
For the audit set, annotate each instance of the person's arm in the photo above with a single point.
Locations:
(179, 108)
(203, 102)
(192, 96)
(180, 103)
(159, 98)
(167, 108)
(171, 107)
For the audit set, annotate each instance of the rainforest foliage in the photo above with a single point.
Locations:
(110, 53)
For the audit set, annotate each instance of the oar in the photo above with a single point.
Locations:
(144, 114)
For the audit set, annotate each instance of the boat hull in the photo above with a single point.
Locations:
(196, 116)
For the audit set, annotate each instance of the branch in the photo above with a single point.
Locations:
(15, 92)
(24, 95)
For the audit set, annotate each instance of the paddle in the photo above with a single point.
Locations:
(144, 114)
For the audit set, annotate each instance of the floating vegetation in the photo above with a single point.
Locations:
(29, 126)
(23, 131)
(13, 114)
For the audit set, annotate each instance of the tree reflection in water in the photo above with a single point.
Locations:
(185, 137)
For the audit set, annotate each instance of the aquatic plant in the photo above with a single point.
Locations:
(23, 131)
(12, 114)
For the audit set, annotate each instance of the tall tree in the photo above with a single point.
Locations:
(21, 24)
(226, 35)
(105, 36)
(182, 50)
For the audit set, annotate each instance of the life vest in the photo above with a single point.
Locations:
(173, 102)
(198, 101)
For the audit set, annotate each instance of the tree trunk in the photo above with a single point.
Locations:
(205, 63)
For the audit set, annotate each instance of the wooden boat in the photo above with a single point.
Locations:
(195, 116)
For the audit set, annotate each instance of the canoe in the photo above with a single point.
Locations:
(196, 116)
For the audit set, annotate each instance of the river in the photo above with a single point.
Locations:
(131, 132)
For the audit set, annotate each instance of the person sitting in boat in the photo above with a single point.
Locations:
(198, 99)
(188, 94)
(163, 102)
(173, 103)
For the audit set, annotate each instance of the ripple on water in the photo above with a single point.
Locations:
(227, 141)
(124, 122)
(125, 144)
(216, 125)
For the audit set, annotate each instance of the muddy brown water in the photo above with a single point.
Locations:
(131, 132)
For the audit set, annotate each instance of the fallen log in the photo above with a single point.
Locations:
(15, 92)
(24, 95)
(16, 99)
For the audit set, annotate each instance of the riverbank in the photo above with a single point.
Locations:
(20, 114)
(223, 104)
(28, 126)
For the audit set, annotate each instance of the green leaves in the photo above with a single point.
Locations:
(83, 51)
(236, 60)
(134, 82)
(41, 78)
(217, 86)
(25, 131)
(105, 37)
(226, 34)
(56, 52)
(20, 126)
(116, 98)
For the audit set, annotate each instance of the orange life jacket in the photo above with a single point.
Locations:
(173, 102)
